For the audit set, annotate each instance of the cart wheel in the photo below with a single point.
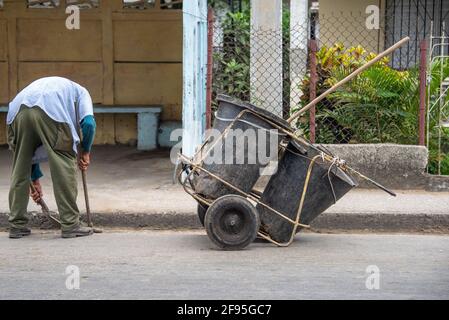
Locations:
(232, 222)
(201, 210)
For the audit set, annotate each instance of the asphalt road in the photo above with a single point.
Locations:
(184, 265)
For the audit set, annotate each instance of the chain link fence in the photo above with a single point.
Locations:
(272, 69)
(260, 66)
(382, 104)
(437, 119)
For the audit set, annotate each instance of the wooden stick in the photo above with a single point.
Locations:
(348, 78)
(41, 201)
(86, 199)
(44, 206)
(84, 174)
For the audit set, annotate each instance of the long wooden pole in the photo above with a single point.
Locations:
(84, 175)
(86, 199)
(348, 78)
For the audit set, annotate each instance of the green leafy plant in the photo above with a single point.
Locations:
(378, 106)
(231, 74)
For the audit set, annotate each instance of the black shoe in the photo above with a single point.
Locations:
(80, 231)
(17, 233)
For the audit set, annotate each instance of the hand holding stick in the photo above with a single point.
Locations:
(44, 206)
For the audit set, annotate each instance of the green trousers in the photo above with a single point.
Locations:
(31, 128)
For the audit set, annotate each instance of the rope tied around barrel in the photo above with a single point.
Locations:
(336, 162)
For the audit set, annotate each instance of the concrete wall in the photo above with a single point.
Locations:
(397, 167)
(344, 21)
(394, 166)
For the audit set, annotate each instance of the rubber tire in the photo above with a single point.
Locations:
(235, 210)
(201, 211)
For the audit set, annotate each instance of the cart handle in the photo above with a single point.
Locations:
(377, 184)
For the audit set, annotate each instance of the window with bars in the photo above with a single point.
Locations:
(171, 4)
(83, 4)
(150, 4)
(138, 4)
(43, 4)
(413, 18)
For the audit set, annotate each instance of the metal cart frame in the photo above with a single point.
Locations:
(196, 164)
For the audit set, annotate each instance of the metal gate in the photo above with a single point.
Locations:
(437, 127)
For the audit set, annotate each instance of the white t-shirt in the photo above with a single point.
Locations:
(56, 96)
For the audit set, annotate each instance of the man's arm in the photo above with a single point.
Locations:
(88, 127)
(85, 110)
(36, 174)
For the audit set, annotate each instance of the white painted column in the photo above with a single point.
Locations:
(266, 54)
(194, 74)
(299, 35)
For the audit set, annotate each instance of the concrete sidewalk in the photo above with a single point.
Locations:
(128, 188)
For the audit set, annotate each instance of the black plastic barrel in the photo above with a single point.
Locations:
(229, 108)
(284, 190)
(241, 171)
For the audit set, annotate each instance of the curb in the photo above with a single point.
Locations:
(383, 222)
(371, 222)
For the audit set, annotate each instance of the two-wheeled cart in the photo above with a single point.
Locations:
(222, 175)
